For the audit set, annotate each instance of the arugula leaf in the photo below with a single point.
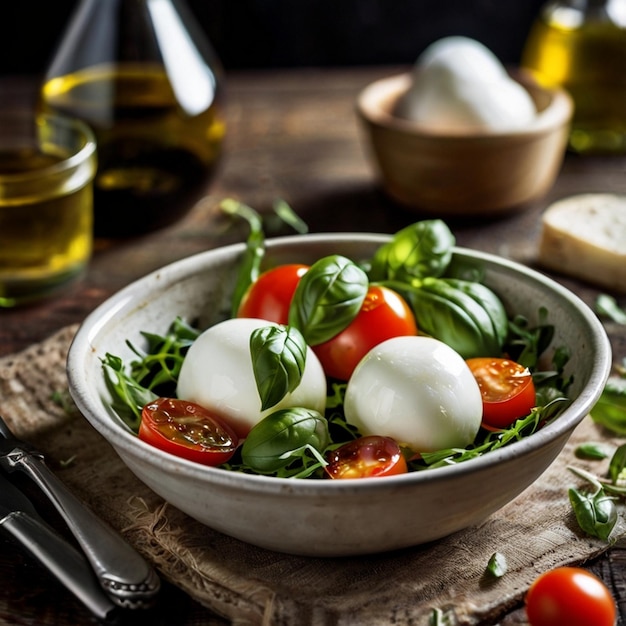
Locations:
(607, 305)
(250, 266)
(438, 617)
(157, 368)
(289, 216)
(492, 440)
(128, 396)
(617, 464)
(526, 343)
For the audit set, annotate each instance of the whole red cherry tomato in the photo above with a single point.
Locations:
(384, 314)
(570, 596)
(187, 430)
(269, 296)
(507, 390)
(366, 457)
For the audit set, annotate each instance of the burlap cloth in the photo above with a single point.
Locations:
(249, 585)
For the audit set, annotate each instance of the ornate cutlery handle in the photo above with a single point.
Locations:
(61, 559)
(126, 577)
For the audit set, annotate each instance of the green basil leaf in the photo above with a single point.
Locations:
(419, 250)
(450, 315)
(596, 512)
(610, 410)
(497, 565)
(278, 360)
(283, 436)
(489, 301)
(617, 463)
(591, 450)
(607, 305)
(328, 298)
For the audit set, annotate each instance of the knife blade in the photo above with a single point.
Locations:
(123, 574)
(19, 519)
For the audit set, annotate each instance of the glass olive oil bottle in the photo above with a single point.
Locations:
(141, 74)
(581, 45)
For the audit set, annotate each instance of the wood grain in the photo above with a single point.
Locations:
(294, 135)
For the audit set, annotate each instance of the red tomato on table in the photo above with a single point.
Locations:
(269, 296)
(366, 457)
(384, 314)
(570, 596)
(187, 430)
(507, 390)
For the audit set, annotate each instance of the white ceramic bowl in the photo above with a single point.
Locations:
(325, 517)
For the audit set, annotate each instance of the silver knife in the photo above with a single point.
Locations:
(19, 519)
(121, 571)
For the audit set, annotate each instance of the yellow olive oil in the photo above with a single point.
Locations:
(155, 160)
(45, 225)
(587, 56)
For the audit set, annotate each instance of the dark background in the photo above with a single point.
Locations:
(248, 34)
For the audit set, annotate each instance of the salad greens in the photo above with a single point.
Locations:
(328, 298)
(154, 373)
(497, 565)
(419, 250)
(610, 410)
(278, 359)
(418, 263)
(607, 306)
(595, 510)
(285, 436)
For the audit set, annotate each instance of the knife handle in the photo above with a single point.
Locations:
(65, 562)
(126, 577)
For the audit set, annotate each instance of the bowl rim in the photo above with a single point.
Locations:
(126, 442)
(558, 112)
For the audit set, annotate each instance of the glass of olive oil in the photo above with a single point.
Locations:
(47, 166)
(581, 45)
(144, 77)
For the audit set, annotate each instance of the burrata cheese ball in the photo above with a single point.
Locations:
(459, 85)
(418, 391)
(217, 373)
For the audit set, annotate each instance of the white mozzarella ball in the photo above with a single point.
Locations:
(418, 391)
(460, 86)
(461, 58)
(217, 373)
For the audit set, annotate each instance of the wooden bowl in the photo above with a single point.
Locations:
(480, 173)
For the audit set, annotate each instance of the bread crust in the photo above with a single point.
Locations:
(584, 236)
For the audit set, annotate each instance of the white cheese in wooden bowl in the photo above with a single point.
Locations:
(584, 236)
(460, 86)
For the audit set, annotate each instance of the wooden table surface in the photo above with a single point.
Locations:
(292, 135)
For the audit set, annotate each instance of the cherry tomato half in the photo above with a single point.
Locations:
(384, 314)
(507, 390)
(366, 457)
(570, 596)
(187, 430)
(269, 296)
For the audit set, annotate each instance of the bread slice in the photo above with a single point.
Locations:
(584, 236)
